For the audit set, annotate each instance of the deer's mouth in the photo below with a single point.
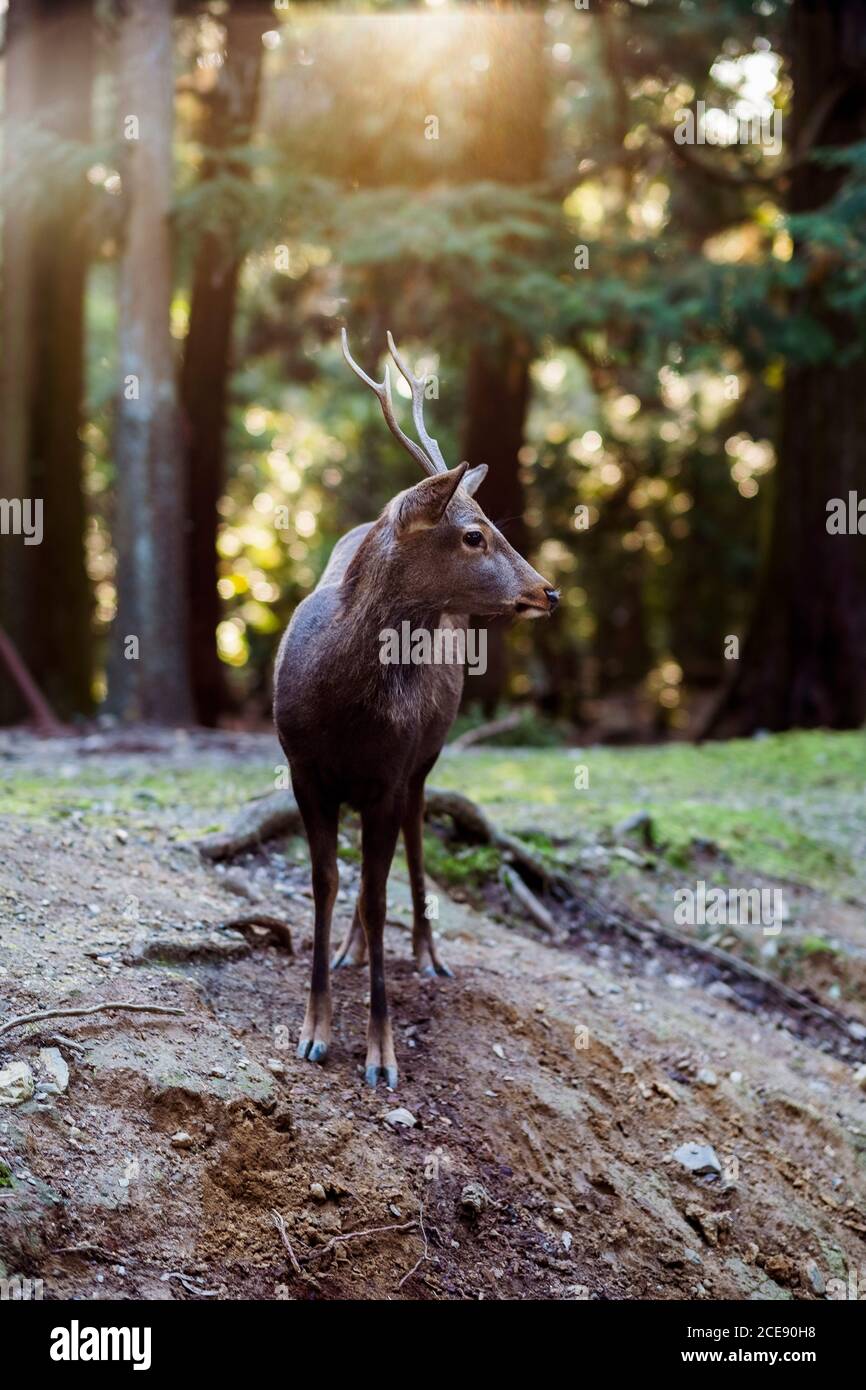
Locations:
(524, 609)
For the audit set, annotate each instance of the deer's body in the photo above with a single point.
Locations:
(364, 733)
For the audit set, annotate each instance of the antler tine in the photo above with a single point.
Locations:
(417, 385)
(382, 390)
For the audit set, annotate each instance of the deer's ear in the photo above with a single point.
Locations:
(474, 478)
(424, 504)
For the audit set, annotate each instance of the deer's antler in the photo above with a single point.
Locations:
(429, 457)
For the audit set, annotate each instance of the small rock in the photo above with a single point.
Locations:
(567, 1239)
(276, 1066)
(698, 1158)
(860, 1077)
(816, 1278)
(857, 1031)
(121, 836)
(474, 1199)
(317, 1192)
(707, 1077)
(499, 1050)
(182, 1140)
(711, 1225)
(400, 1117)
(16, 1083)
(55, 1068)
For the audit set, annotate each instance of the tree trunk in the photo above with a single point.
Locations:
(50, 80)
(497, 398)
(63, 664)
(804, 661)
(149, 662)
(207, 354)
(17, 560)
(510, 148)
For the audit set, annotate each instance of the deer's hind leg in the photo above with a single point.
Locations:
(354, 948)
(425, 953)
(320, 823)
(380, 828)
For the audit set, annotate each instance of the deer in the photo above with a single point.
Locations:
(358, 732)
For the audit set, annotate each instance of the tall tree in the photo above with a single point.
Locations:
(149, 669)
(510, 149)
(16, 326)
(46, 251)
(227, 126)
(804, 661)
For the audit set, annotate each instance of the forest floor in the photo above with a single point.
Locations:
(544, 1091)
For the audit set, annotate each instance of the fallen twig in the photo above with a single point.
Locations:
(192, 1287)
(356, 1235)
(335, 1240)
(284, 1236)
(90, 1009)
(528, 901)
(491, 729)
(418, 1263)
(87, 1248)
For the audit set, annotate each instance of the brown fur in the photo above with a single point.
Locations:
(359, 732)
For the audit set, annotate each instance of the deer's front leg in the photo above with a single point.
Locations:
(380, 828)
(321, 827)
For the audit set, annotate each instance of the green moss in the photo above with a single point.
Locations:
(815, 946)
(789, 806)
(469, 866)
(6, 1179)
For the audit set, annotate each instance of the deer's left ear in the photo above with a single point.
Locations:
(423, 505)
(474, 478)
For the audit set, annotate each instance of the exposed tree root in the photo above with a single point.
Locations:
(90, 1009)
(279, 928)
(278, 814)
(261, 820)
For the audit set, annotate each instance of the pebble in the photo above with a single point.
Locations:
(317, 1192)
(400, 1118)
(698, 1158)
(182, 1140)
(474, 1198)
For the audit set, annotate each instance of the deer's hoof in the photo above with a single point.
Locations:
(431, 971)
(388, 1075)
(311, 1050)
(342, 959)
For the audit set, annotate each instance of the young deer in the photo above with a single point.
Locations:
(359, 731)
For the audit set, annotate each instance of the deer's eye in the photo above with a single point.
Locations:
(473, 538)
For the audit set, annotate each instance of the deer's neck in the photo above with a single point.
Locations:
(372, 619)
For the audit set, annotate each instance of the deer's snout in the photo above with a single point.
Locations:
(537, 601)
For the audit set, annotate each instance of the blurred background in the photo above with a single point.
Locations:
(655, 342)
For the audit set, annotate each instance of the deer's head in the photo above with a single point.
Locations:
(446, 551)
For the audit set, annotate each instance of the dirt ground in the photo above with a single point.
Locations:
(543, 1094)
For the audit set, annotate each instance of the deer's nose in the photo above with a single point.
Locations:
(552, 596)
